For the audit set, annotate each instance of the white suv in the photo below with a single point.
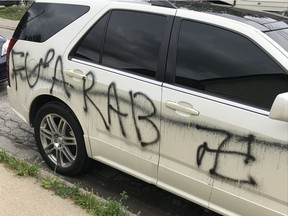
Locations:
(190, 97)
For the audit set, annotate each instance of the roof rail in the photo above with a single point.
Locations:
(162, 3)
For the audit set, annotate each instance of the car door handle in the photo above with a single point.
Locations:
(76, 74)
(181, 108)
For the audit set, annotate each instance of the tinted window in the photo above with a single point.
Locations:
(43, 20)
(228, 65)
(90, 46)
(133, 41)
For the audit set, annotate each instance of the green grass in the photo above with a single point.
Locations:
(22, 168)
(13, 12)
(88, 201)
(114, 208)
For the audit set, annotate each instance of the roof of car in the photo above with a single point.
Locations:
(263, 21)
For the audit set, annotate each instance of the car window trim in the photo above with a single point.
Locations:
(172, 52)
(163, 54)
(172, 60)
(71, 53)
(109, 13)
(197, 93)
(138, 77)
(162, 58)
(173, 46)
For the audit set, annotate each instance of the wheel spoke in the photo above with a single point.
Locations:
(51, 123)
(62, 126)
(69, 141)
(46, 133)
(49, 148)
(67, 153)
(62, 164)
(57, 157)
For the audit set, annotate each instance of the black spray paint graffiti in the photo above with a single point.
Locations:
(112, 94)
(247, 155)
(32, 75)
(115, 105)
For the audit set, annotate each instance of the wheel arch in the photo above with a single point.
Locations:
(41, 100)
(38, 111)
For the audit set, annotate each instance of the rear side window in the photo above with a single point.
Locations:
(127, 40)
(226, 64)
(43, 20)
(90, 47)
(133, 42)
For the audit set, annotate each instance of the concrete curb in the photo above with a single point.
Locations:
(26, 197)
(43, 174)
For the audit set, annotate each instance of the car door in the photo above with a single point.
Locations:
(219, 148)
(118, 62)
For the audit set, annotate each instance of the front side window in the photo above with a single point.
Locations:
(226, 64)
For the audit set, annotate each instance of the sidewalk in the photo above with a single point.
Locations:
(8, 24)
(24, 196)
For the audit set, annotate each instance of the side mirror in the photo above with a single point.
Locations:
(279, 110)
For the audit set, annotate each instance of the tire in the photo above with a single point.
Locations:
(59, 139)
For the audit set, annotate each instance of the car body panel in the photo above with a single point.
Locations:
(127, 152)
(226, 126)
(222, 142)
(112, 115)
(226, 156)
